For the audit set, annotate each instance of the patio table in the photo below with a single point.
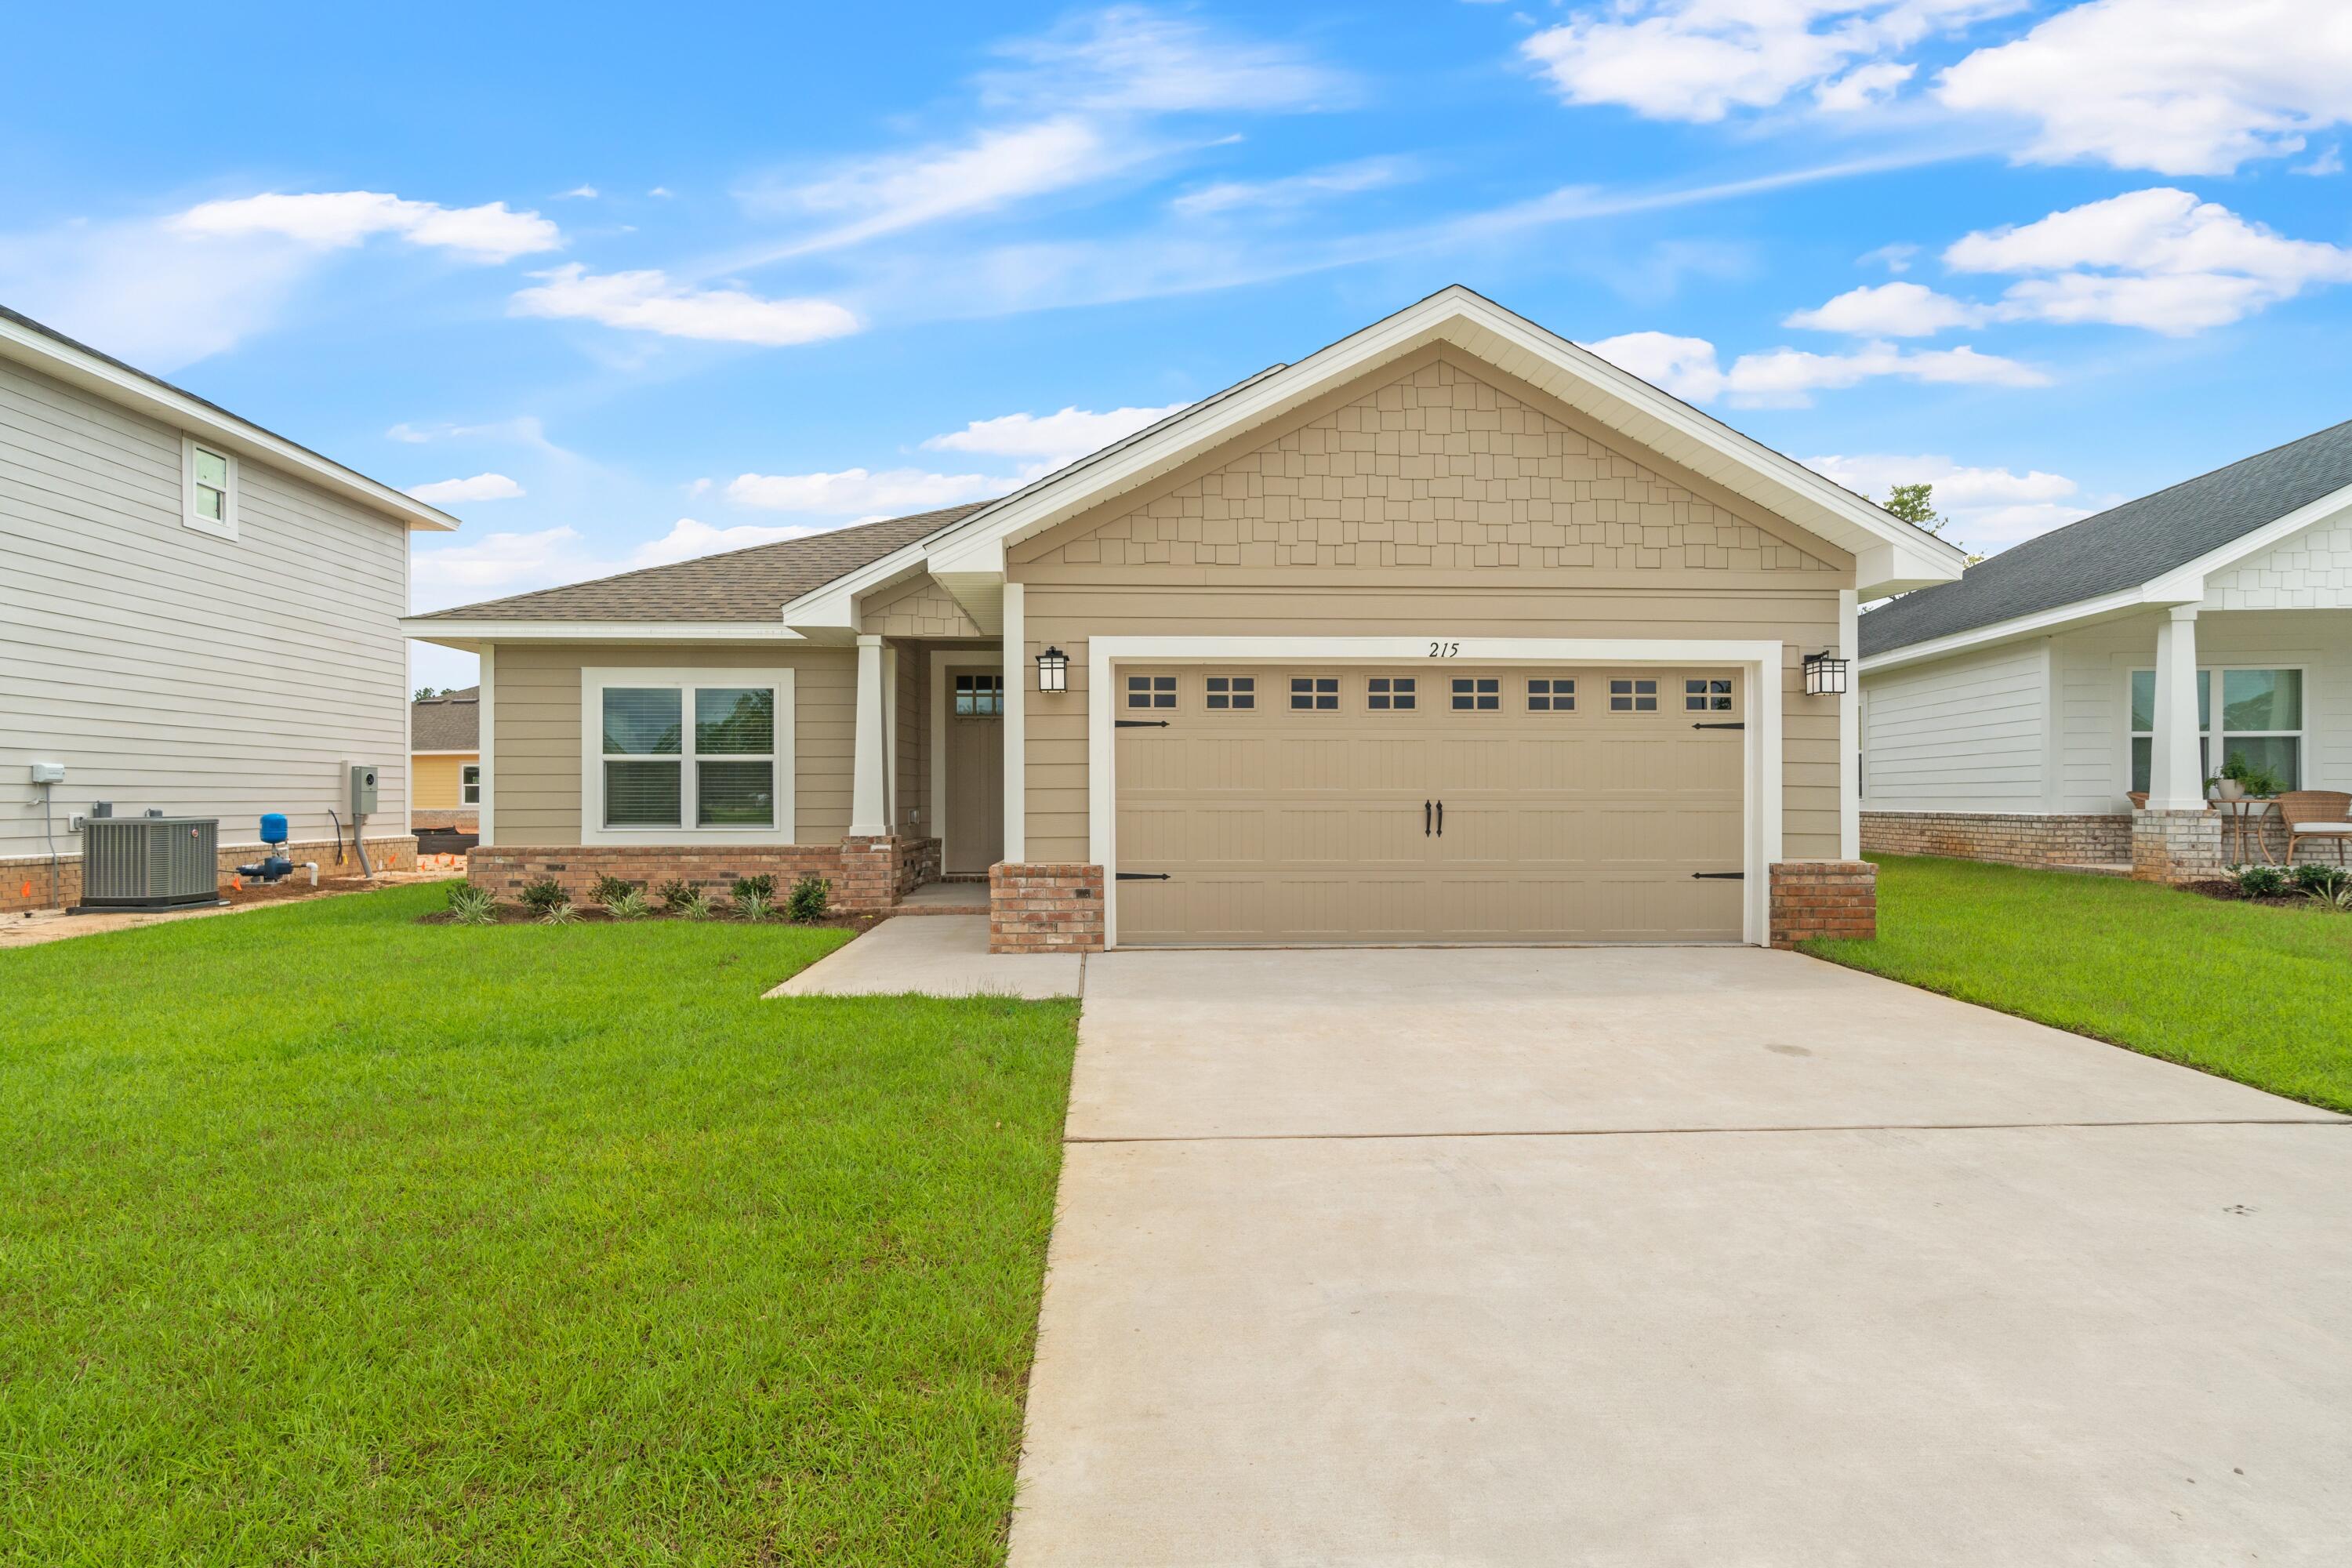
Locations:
(2238, 813)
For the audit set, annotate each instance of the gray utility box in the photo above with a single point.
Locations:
(149, 862)
(362, 788)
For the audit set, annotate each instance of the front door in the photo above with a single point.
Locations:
(974, 820)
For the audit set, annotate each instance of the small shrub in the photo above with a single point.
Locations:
(2259, 881)
(472, 906)
(2319, 879)
(562, 914)
(631, 905)
(611, 890)
(752, 907)
(811, 898)
(676, 895)
(694, 906)
(760, 887)
(544, 895)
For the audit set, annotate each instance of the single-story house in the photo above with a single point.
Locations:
(202, 619)
(1451, 632)
(445, 754)
(2016, 714)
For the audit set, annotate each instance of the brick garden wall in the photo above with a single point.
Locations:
(1823, 897)
(25, 883)
(867, 874)
(2016, 838)
(1044, 908)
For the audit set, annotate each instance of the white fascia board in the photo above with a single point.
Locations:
(128, 388)
(2185, 585)
(467, 634)
(2063, 618)
(1486, 331)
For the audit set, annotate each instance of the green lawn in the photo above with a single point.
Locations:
(2257, 994)
(329, 1237)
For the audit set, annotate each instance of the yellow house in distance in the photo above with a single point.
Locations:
(444, 751)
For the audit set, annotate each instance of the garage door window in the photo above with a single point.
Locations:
(1151, 691)
(1315, 693)
(1709, 696)
(1638, 694)
(1390, 693)
(1551, 695)
(1228, 692)
(1482, 694)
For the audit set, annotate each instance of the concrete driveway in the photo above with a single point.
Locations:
(1671, 1256)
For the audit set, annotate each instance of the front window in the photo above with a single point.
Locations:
(469, 784)
(979, 695)
(718, 771)
(2260, 722)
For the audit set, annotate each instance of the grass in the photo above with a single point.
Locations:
(2251, 993)
(326, 1237)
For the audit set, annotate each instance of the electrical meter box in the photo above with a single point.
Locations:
(362, 789)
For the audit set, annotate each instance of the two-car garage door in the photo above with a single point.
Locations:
(1260, 804)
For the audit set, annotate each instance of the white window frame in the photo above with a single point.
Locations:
(189, 516)
(469, 790)
(2214, 741)
(592, 683)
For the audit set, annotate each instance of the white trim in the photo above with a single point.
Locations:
(462, 769)
(1849, 734)
(1761, 663)
(489, 677)
(121, 385)
(980, 657)
(467, 634)
(593, 682)
(894, 803)
(869, 714)
(1016, 725)
(190, 518)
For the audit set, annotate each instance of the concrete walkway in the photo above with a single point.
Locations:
(1670, 1257)
(935, 955)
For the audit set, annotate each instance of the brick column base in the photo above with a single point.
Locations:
(2175, 845)
(1041, 908)
(1823, 897)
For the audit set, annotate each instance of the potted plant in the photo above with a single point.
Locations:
(2242, 779)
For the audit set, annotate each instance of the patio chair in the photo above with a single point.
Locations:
(2324, 816)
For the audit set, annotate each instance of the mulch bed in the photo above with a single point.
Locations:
(2228, 893)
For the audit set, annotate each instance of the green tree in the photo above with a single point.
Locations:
(424, 692)
(1915, 503)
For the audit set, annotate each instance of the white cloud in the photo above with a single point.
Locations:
(333, 220)
(2329, 161)
(1127, 59)
(481, 487)
(1989, 507)
(1888, 310)
(664, 192)
(2158, 259)
(1051, 439)
(523, 430)
(1700, 60)
(143, 293)
(1294, 190)
(1784, 377)
(687, 539)
(2182, 87)
(1895, 257)
(581, 193)
(853, 491)
(649, 302)
(492, 565)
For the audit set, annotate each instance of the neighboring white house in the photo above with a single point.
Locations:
(199, 615)
(2014, 715)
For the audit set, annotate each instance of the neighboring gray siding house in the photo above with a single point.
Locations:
(2071, 695)
(200, 615)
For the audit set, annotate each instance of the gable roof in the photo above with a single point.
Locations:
(749, 585)
(2123, 547)
(449, 722)
(77, 364)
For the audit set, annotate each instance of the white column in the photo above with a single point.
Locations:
(1016, 727)
(2175, 777)
(1850, 727)
(486, 715)
(868, 816)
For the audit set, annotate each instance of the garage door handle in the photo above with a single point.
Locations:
(1718, 876)
(1718, 726)
(1441, 819)
(1141, 877)
(1424, 819)
(1139, 723)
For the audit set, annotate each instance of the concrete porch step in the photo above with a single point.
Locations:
(945, 898)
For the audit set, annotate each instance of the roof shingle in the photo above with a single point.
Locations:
(449, 722)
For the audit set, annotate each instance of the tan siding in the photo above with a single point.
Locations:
(167, 668)
(919, 609)
(914, 786)
(535, 709)
(439, 780)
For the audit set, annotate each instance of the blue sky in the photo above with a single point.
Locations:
(616, 293)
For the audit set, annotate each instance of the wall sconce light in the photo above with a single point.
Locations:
(1824, 674)
(1053, 670)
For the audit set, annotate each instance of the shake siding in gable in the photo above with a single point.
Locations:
(536, 709)
(1444, 499)
(167, 668)
(1966, 734)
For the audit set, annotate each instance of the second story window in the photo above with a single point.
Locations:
(208, 488)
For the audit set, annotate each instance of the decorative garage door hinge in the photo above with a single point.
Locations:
(1139, 723)
(1143, 876)
(1718, 876)
(1730, 726)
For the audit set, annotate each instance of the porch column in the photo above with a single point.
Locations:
(2176, 775)
(868, 811)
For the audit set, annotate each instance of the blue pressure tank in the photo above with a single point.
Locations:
(273, 827)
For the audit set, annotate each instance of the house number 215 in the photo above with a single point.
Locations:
(1444, 650)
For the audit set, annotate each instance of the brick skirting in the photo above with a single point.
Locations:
(1044, 908)
(2175, 845)
(24, 880)
(867, 874)
(1823, 897)
(2018, 838)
